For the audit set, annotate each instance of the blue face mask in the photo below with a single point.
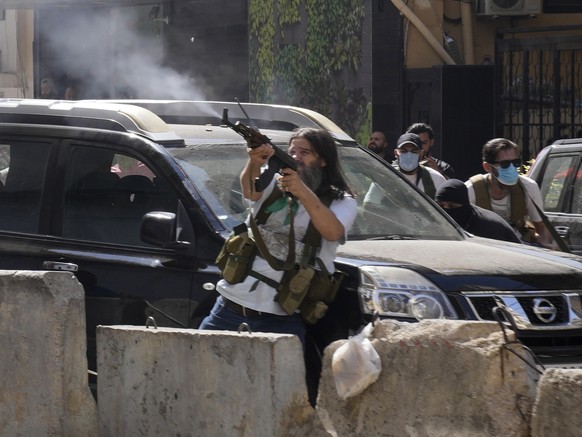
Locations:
(408, 161)
(507, 176)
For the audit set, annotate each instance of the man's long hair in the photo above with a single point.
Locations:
(333, 179)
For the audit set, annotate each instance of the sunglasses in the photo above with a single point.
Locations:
(505, 163)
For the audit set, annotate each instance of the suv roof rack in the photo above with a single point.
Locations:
(567, 141)
(263, 115)
(94, 114)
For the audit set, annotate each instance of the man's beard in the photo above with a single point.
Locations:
(311, 175)
(376, 148)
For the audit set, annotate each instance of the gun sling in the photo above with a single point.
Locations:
(518, 208)
(311, 239)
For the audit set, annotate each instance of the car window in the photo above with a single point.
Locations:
(23, 167)
(107, 194)
(388, 205)
(553, 184)
(214, 170)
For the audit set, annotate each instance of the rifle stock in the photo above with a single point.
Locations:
(255, 138)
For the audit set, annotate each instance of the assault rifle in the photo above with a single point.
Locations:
(254, 138)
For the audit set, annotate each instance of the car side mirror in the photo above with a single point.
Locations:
(160, 228)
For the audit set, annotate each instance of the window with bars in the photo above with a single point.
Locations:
(539, 95)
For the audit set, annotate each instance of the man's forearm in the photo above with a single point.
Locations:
(323, 218)
(258, 156)
(247, 178)
(545, 236)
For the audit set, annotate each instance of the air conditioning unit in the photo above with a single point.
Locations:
(492, 8)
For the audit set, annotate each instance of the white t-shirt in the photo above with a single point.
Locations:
(259, 296)
(503, 206)
(437, 178)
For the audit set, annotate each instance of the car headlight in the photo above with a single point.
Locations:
(399, 292)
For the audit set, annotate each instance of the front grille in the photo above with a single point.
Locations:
(484, 305)
(558, 303)
(552, 309)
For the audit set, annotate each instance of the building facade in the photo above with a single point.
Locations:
(367, 64)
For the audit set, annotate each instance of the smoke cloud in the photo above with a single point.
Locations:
(114, 53)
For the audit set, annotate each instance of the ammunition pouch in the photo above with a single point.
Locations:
(308, 290)
(302, 287)
(322, 291)
(293, 287)
(236, 256)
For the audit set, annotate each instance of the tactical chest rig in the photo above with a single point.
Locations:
(424, 175)
(302, 287)
(518, 206)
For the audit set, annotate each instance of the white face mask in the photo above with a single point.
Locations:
(408, 161)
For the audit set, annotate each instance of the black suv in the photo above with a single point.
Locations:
(138, 208)
(558, 171)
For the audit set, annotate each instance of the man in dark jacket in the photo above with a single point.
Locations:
(426, 134)
(453, 197)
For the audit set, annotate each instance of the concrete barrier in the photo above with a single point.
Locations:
(439, 378)
(155, 382)
(43, 364)
(557, 405)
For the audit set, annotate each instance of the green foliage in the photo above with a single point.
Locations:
(289, 12)
(349, 108)
(311, 72)
(552, 197)
(366, 126)
(334, 34)
(262, 26)
(287, 86)
(524, 169)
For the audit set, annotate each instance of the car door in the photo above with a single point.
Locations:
(76, 205)
(26, 180)
(106, 193)
(561, 187)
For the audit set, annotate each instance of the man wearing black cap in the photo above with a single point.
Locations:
(408, 154)
(453, 197)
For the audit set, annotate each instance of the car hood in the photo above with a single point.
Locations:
(475, 256)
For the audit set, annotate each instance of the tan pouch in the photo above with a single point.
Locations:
(293, 288)
(312, 311)
(322, 291)
(236, 257)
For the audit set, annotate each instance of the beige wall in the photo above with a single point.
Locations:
(16, 77)
(420, 54)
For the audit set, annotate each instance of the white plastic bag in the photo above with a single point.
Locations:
(355, 364)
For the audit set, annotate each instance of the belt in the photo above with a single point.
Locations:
(239, 309)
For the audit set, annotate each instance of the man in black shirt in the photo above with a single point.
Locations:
(426, 134)
(378, 144)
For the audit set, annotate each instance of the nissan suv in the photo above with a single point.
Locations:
(137, 199)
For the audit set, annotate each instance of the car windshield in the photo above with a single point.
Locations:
(389, 208)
